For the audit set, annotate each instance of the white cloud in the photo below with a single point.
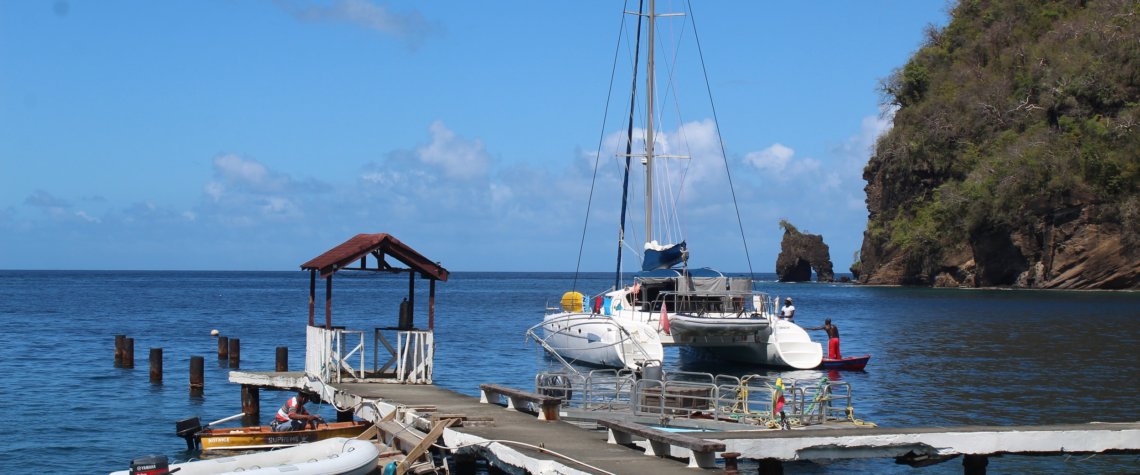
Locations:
(245, 174)
(410, 27)
(774, 159)
(455, 156)
(88, 218)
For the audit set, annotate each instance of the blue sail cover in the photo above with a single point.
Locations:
(664, 258)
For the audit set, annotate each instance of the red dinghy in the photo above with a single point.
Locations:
(855, 363)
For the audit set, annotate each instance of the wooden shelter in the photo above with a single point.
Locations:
(353, 254)
(336, 353)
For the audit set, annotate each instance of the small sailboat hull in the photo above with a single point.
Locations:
(599, 340)
(852, 363)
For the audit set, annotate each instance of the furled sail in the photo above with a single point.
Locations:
(663, 256)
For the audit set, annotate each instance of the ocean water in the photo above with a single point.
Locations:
(940, 357)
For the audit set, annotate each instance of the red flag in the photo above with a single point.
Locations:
(664, 319)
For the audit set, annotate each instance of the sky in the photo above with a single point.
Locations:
(255, 135)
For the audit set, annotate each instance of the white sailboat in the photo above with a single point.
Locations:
(669, 303)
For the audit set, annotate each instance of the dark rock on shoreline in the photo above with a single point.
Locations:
(801, 253)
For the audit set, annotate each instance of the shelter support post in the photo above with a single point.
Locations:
(328, 302)
(431, 304)
(312, 295)
(411, 298)
(282, 359)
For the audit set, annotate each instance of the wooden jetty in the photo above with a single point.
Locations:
(395, 391)
(511, 439)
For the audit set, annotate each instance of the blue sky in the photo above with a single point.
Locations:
(253, 135)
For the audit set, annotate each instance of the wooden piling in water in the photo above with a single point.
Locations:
(120, 342)
(235, 352)
(197, 375)
(974, 464)
(156, 365)
(223, 348)
(251, 401)
(770, 466)
(129, 353)
(282, 359)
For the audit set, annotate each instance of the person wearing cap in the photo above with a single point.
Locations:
(788, 312)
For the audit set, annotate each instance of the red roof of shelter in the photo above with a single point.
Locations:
(381, 244)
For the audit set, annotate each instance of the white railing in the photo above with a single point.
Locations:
(417, 350)
(337, 355)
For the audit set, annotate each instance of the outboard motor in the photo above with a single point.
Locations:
(150, 465)
(188, 429)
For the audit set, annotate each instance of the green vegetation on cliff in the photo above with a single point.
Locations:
(1013, 113)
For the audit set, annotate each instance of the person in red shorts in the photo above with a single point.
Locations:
(832, 339)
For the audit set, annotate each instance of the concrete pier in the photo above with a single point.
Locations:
(544, 438)
(821, 444)
(561, 447)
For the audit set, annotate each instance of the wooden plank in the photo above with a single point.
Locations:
(424, 444)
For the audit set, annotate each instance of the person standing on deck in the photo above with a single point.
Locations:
(293, 416)
(788, 312)
(832, 339)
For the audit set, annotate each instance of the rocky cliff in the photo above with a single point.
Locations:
(1014, 157)
(801, 253)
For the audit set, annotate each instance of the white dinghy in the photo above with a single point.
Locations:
(335, 456)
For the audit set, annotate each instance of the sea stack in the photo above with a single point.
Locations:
(801, 253)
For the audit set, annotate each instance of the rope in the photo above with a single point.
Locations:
(859, 422)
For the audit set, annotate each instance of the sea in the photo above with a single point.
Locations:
(940, 357)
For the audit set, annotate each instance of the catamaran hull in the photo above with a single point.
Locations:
(601, 341)
(781, 344)
(716, 330)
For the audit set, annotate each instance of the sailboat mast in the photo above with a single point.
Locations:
(629, 144)
(649, 79)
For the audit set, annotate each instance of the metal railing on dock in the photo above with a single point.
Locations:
(696, 396)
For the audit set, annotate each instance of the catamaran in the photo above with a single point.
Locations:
(709, 314)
